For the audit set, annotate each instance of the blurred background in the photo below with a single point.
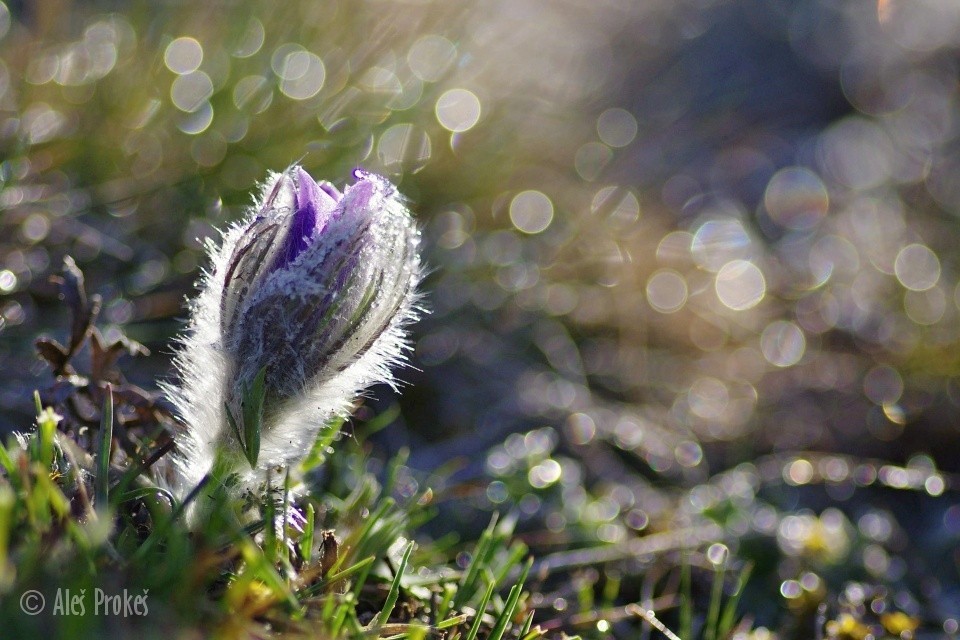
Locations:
(691, 260)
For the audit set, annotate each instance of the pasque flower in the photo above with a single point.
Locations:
(306, 304)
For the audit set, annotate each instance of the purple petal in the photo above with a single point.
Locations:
(314, 207)
(281, 198)
(330, 190)
(357, 196)
(321, 196)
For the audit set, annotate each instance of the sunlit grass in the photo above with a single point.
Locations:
(240, 581)
(680, 299)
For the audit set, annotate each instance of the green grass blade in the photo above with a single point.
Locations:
(381, 421)
(321, 446)
(730, 608)
(7, 461)
(160, 530)
(686, 597)
(8, 501)
(713, 610)
(360, 542)
(516, 555)
(286, 510)
(395, 587)
(233, 425)
(507, 614)
(253, 416)
(527, 625)
(319, 586)
(102, 483)
(475, 627)
(46, 431)
(393, 469)
(143, 492)
(510, 608)
(136, 470)
(452, 622)
(270, 543)
(306, 540)
(467, 586)
(361, 580)
(444, 605)
(262, 567)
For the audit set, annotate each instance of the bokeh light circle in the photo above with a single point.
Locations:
(591, 159)
(617, 127)
(430, 57)
(796, 198)
(616, 204)
(740, 285)
(197, 121)
(191, 91)
(252, 40)
(531, 211)
(458, 110)
(667, 291)
(183, 55)
(4, 20)
(782, 343)
(717, 242)
(925, 307)
(917, 267)
(883, 384)
(8, 281)
(708, 398)
(404, 147)
(302, 75)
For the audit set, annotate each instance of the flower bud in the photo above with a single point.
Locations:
(311, 286)
(306, 305)
(293, 212)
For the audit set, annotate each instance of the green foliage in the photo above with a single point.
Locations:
(229, 580)
(105, 440)
(251, 418)
(638, 397)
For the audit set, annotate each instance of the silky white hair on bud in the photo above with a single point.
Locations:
(325, 319)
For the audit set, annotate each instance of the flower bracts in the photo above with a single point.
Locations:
(308, 298)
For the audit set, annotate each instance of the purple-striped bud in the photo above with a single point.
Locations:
(306, 305)
(316, 278)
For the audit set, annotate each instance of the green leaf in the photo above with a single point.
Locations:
(730, 609)
(468, 581)
(358, 567)
(7, 461)
(686, 596)
(46, 432)
(306, 540)
(452, 622)
(475, 627)
(233, 425)
(395, 587)
(527, 626)
(510, 608)
(253, 416)
(318, 453)
(102, 484)
(713, 612)
(8, 502)
(261, 567)
(143, 492)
